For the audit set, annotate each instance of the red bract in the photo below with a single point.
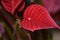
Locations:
(52, 5)
(11, 5)
(36, 17)
(21, 8)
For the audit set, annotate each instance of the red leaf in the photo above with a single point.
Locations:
(11, 5)
(36, 17)
(52, 5)
(21, 8)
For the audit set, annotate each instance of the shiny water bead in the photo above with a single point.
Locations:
(29, 18)
(36, 17)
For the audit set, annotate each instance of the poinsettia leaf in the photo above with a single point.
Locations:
(22, 7)
(36, 17)
(52, 5)
(11, 5)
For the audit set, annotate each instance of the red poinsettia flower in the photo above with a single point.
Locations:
(36, 17)
(52, 5)
(12, 5)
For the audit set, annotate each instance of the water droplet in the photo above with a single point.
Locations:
(29, 18)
